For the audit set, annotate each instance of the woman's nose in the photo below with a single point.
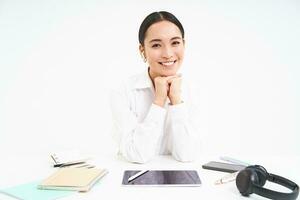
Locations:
(167, 52)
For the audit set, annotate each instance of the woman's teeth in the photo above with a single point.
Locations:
(169, 63)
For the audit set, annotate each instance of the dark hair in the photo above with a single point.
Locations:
(157, 17)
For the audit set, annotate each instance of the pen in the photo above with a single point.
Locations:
(234, 161)
(226, 179)
(131, 178)
(65, 165)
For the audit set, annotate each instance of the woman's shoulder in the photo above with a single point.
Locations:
(130, 83)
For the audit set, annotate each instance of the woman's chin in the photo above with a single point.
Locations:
(169, 73)
(170, 70)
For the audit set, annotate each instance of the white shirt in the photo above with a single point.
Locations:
(143, 129)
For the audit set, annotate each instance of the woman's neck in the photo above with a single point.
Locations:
(152, 76)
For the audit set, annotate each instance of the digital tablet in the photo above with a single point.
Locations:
(162, 178)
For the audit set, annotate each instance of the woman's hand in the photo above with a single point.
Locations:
(175, 90)
(161, 90)
(167, 87)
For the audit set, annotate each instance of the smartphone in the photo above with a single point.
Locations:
(223, 167)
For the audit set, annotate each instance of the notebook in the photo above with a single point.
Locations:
(79, 179)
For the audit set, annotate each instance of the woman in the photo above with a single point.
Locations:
(152, 112)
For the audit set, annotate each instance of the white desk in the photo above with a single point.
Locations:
(17, 169)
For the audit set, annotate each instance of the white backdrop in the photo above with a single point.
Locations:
(60, 59)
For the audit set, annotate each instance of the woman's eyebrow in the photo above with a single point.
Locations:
(155, 40)
(176, 38)
(159, 40)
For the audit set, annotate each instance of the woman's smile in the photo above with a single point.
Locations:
(168, 63)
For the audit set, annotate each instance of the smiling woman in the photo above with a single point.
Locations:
(152, 111)
(162, 43)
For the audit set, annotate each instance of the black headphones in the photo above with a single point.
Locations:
(253, 178)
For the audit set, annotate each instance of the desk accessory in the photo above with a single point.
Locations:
(135, 176)
(223, 167)
(69, 178)
(234, 161)
(226, 179)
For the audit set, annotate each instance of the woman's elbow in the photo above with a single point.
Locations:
(136, 155)
(184, 157)
(185, 153)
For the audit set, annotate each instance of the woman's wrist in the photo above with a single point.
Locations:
(160, 102)
(175, 101)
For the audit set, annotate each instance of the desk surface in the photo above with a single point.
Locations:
(17, 169)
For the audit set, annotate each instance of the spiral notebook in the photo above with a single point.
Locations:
(68, 158)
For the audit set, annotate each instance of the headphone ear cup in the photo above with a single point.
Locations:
(245, 180)
(262, 174)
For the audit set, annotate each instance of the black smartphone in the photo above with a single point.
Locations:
(223, 167)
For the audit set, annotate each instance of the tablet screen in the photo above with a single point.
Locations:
(163, 177)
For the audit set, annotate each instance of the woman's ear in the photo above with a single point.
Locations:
(183, 40)
(142, 49)
(142, 52)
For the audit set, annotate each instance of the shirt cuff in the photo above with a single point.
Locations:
(156, 114)
(178, 112)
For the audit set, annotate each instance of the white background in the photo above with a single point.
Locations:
(60, 59)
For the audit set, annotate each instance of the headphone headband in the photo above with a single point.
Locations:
(253, 176)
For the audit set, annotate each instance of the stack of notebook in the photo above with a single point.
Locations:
(70, 178)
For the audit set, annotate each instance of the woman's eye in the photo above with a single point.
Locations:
(155, 45)
(175, 43)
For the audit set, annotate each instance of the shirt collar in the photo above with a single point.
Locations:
(143, 81)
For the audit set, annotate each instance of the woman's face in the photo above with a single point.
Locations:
(163, 49)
